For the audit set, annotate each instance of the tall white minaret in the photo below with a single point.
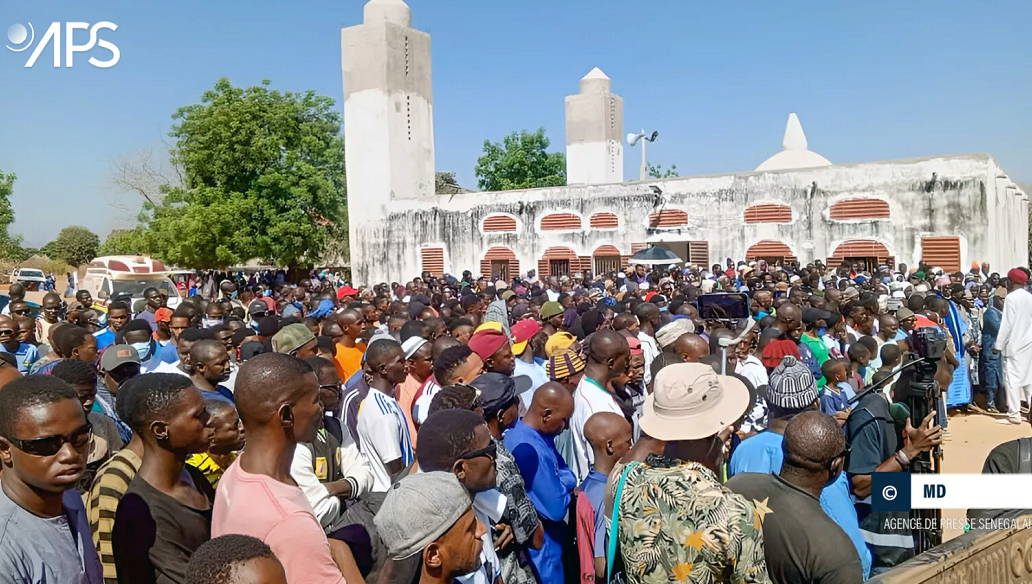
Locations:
(388, 110)
(594, 132)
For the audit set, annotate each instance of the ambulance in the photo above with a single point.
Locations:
(111, 276)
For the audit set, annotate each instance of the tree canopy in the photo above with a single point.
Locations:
(76, 245)
(657, 171)
(10, 246)
(263, 177)
(123, 242)
(520, 161)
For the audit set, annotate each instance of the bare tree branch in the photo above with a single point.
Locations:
(142, 172)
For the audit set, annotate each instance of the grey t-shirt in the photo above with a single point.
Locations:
(38, 550)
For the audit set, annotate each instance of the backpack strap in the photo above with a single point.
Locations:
(615, 522)
(1025, 455)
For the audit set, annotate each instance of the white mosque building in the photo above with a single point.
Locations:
(796, 205)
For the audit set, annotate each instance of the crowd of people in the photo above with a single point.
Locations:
(486, 430)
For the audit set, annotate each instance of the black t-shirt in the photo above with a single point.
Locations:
(801, 543)
(155, 535)
(871, 434)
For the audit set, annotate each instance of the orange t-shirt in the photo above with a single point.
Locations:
(406, 392)
(348, 360)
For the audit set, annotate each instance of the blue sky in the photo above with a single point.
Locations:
(869, 81)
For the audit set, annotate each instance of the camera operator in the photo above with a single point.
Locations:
(876, 446)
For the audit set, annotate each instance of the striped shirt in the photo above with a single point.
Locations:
(110, 484)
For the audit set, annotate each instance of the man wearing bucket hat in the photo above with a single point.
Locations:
(690, 409)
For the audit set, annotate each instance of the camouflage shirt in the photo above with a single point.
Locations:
(677, 523)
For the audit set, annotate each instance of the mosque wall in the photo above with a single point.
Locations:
(958, 196)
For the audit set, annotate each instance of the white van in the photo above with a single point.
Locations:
(110, 275)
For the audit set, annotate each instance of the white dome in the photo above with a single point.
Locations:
(795, 153)
(787, 159)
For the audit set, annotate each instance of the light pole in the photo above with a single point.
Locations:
(633, 139)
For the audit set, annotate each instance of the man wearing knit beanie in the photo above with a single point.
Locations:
(792, 390)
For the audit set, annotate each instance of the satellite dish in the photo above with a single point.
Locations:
(633, 138)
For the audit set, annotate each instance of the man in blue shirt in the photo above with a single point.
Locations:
(791, 391)
(24, 353)
(610, 436)
(118, 316)
(549, 481)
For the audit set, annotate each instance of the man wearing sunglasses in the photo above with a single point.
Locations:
(44, 441)
(459, 441)
(24, 353)
(801, 543)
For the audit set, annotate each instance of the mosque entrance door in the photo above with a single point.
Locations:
(500, 269)
(559, 267)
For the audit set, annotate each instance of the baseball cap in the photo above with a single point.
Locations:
(291, 338)
(689, 401)
(163, 314)
(558, 342)
(791, 386)
(257, 307)
(118, 355)
(496, 391)
(486, 341)
(345, 291)
(507, 294)
(563, 365)
(412, 345)
(850, 294)
(550, 309)
(418, 509)
(522, 332)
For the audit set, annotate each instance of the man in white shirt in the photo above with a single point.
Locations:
(648, 318)
(382, 427)
(608, 357)
(1015, 342)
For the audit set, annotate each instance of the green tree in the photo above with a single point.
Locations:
(49, 250)
(10, 245)
(657, 171)
(445, 183)
(76, 245)
(263, 177)
(520, 161)
(123, 242)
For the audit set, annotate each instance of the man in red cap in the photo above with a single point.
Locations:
(493, 347)
(346, 292)
(1014, 341)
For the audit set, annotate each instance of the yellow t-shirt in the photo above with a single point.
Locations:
(211, 470)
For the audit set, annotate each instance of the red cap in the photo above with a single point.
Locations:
(345, 291)
(525, 329)
(163, 315)
(1017, 276)
(486, 342)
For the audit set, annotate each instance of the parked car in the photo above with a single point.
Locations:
(32, 279)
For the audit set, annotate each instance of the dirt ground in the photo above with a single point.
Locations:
(972, 436)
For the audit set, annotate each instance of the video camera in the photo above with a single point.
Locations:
(921, 393)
